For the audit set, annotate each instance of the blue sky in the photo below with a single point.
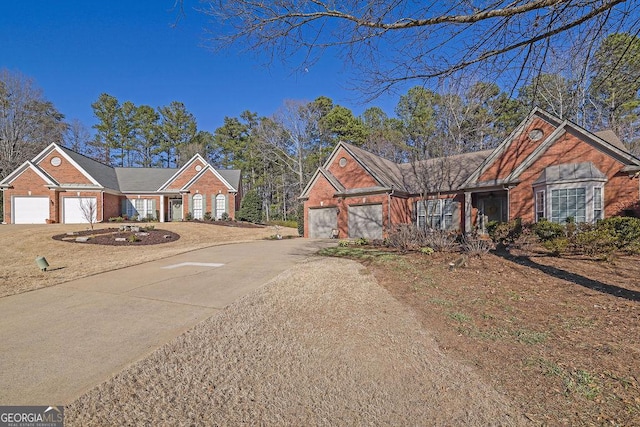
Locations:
(77, 49)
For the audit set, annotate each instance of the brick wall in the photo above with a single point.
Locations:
(65, 172)
(186, 175)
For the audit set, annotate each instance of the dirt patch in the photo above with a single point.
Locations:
(117, 237)
(322, 344)
(561, 336)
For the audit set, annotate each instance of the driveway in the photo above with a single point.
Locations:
(61, 341)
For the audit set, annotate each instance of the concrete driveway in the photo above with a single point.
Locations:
(59, 342)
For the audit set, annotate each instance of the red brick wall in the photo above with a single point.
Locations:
(352, 175)
(518, 150)
(210, 185)
(65, 173)
(28, 183)
(186, 175)
(112, 206)
(619, 191)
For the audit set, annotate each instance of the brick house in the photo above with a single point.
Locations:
(60, 185)
(546, 168)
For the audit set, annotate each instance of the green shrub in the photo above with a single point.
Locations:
(224, 216)
(207, 216)
(556, 246)
(251, 207)
(300, 214)
(547, 230)
(594, 242)
(624, 230)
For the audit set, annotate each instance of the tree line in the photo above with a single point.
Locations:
(278, 154)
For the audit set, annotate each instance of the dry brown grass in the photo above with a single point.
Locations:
(322, 344)
(68, 261)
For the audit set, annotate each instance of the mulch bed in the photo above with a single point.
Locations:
(107, 236)
(238, 224)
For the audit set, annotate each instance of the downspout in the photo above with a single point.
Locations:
(102, 210)
(389, 194)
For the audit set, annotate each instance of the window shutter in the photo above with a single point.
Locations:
(204, 204)
(123, 207)
(190, 203)
(154, 213)
(455, 217)
(213, 206)
(226, 203)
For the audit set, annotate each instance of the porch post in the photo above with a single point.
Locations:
(467, 212)
(161, 208)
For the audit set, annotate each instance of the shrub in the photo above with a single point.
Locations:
(251, 207)
(362, 241)
(427, 250)
(133, 238)
(504, 233)
(405, 237)
(625, 231)
(116, 219)
(224, 216)
(595, 241)
(207, 216)
(189, 217)
(282, 223)
(547, 230)
(440, 240)
(556, 246)
(475, 246)
(300, 215)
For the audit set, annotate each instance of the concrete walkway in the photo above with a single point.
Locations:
(58, 342)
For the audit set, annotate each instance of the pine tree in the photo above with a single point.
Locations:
(251, 208)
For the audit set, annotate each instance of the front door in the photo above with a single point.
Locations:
(491, 208)
(176, 210)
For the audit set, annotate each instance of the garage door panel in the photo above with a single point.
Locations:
(72, 209)
(365, 221)
(30, 210)
(322, 222)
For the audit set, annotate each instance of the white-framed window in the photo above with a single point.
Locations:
(597, 204)
(436, 214)
(569, 203)
(540, 206)
(221, 205)
(197, 206)
(140, 208)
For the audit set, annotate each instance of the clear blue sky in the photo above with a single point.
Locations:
(77, 49)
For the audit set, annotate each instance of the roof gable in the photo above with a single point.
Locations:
(28, 165)
(201, 173)
(71, 157)
(521, 134)
(183, 170)
(328, 176)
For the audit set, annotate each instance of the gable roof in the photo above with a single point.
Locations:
(612, 146)
(142, 179)
(126, 180)
(28, 165)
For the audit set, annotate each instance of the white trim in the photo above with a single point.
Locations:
(50, 182)
(181, 170)
(44, 153)
(201, 173)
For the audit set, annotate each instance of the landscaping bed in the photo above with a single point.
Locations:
(140, 236)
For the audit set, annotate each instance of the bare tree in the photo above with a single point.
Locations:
(28, 122)
(392, 42)
(89, 209)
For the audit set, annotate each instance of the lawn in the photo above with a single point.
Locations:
(68, 261)
(559, 336)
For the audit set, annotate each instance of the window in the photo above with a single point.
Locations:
(221, 207)
(597, 203)
(141, 208)
(540, 205)
(568, 203)
(197, 206)
(435, 214)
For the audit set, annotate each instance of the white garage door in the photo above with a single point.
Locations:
(365, 221)
(322, 222)
(30, 210)
(72, 209)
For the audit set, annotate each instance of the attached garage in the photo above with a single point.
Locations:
(365, 221)
(322, 222)
(72, 209)
(30, 210)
